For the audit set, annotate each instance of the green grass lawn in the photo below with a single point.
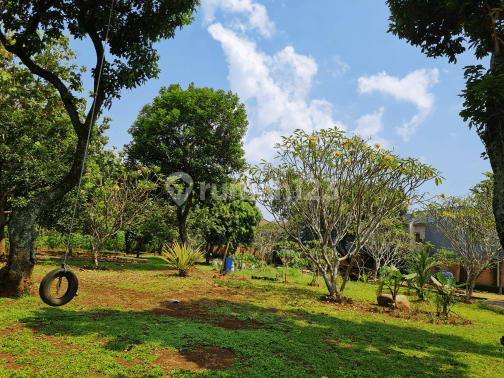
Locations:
(119, 326)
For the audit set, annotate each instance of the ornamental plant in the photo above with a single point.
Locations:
(289, 255)
(391, 278)
(446, 298)
(421, 264)
(181, 257)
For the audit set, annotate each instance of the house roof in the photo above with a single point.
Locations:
(408, 217)
(263, 222)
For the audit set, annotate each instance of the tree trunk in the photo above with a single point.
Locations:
(470, 288)
(15, 277)
(494, 144)
(182, 219)
(2, 239)
(224, 259)
(207, 254)
(499, 277)
(127, 242)
(96, 251)
(347, 274)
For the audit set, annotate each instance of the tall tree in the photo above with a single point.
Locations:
(440, 28)
(130, 32)
(197, 132)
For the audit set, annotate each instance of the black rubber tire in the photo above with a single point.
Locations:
(45, 286)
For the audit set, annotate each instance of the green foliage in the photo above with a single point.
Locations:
(232, 220)
(420, 264)
(245, 259)
(391, 278)
(37, 138)
(181, 257)
(445, 258)
(364, 276)
(132, 33)
(481, 90)
(445, 299)
(443, 28)
(289, 253)
(198, 132)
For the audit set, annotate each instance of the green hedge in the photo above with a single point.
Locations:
(487, 288)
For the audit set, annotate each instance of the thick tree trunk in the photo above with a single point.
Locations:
(2, 240)
(494, 144)
(470, 288)
(15, 277)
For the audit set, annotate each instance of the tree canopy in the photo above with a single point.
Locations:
(197, 132)
(130, 29)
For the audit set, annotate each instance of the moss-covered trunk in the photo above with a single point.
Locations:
(494, 144)
(16, 276)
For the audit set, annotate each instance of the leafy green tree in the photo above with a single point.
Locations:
(441, 28)
(130, 30)
(198, 132)
(233, 220)
(36, 137)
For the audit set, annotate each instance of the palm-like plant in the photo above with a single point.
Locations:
(421, 264)
(181, 257)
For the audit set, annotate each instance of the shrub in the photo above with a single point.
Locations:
(181, 257)
(421, 264)
(391, 277)
(445, 299)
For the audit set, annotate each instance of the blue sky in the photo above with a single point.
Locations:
(314, 67)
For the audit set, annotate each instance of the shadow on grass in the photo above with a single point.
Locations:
(153, 263)
(300, 345)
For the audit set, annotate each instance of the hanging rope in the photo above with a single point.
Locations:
(73, 283)
(87, 143)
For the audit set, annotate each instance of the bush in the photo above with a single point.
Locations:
(445, 299)
(421, 264)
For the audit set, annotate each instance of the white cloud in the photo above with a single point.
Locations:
(453, 134)
(422, 159)
(343, 67)
(412, 88)
(280, 84)
(370, 125)
(256, 14)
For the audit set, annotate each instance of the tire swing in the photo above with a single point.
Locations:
(47, 289)
(66, 279)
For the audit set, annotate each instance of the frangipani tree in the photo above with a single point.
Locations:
(389, 245)
(468, 223)
(116, 197)
(338, 181)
